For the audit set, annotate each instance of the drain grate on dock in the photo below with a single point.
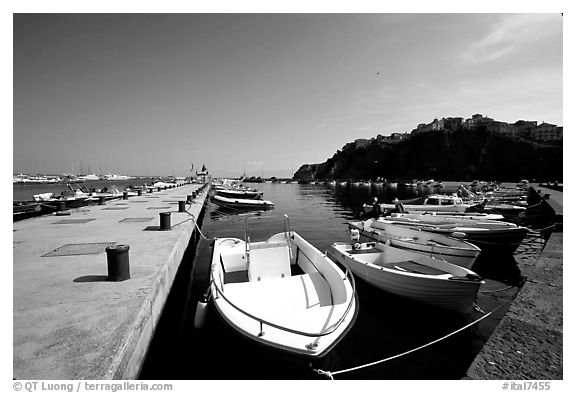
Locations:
(74, 221)
(137, 219)
(158, 207)
(115, 208)
(79, 249)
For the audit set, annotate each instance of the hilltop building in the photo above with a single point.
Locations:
(547, 132)
(446, 123)
(521, 128)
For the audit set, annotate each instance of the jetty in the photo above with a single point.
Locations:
(528, 341)
(90, 284)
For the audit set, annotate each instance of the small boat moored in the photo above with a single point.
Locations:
(492, 236)
(449, 249)
(239, 194)
(411, 275)
(283, 293)
(430, 203)
(241, 203)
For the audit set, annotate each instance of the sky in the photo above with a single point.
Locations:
(260, 93)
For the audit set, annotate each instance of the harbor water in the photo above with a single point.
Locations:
(386, 325)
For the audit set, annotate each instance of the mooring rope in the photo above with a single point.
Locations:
(331, 374)
(196, 223)
(499, 290)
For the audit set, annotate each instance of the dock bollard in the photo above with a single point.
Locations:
(158, 189)
(139, 192)
(118, 262)
(125, 195)
(150, 191)
(101, 200)
(61, 206)
(188, 198)
(181, 207)
(165, 221)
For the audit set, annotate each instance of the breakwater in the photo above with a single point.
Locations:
(71, 320)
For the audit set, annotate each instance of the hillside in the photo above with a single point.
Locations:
(450, 155)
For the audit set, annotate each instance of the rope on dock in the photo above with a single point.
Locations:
(195, 223)
(331, 374)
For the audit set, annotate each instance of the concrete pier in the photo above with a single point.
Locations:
(528, 342)
(70, 321)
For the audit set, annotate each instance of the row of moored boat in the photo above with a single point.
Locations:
(285, 293)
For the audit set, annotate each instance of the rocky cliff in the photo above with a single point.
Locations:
(449, 155)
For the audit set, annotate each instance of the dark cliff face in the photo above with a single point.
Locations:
(306, 172)
(449, 155)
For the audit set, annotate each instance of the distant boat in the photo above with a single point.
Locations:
(282, 293)
(114, 177)
(411, 275)
(72, 198)
(88, 177)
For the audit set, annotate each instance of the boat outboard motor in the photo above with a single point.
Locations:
(399, 206)
(355, 237)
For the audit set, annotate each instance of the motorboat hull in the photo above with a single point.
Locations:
(439, 290)
(239, 194)
(456, 251)
(491, 236)
(242, 203)
(303, 314)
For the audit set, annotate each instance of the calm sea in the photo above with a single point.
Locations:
(386, 325)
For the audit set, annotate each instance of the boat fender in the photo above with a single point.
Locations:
(459, 235)
(200, 316)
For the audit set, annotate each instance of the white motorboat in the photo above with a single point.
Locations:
(412, 275)
(283, 293)
(431, 203)
(449, 249)
(239, 194)
(242, 203)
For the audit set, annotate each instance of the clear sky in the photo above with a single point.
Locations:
(151, 94)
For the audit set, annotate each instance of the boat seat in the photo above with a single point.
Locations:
(301, 292)
(233, 262)
(269, 262)
(415, 267)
